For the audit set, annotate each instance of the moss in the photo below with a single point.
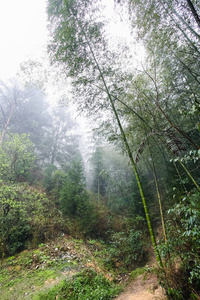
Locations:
(139, 271)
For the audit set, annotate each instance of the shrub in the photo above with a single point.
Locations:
(16, 157)
(86, 285)
(181, 252)
(127, 247)
(23, 211)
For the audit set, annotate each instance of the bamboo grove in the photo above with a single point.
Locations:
(152, 109)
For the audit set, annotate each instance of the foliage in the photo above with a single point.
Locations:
(16, 157)
(73, 195)
(48, 173)
(78, 33)
(84, 285)
(33, 272)
(22, 209)
(100, 218)
(182, 248)
(193, 155)
(99, 172)
(59, 145)
(31, 116)
(139, 271)
(128, 248)
(152, 113)
(74, 202)
(33, 268)
(26, 111)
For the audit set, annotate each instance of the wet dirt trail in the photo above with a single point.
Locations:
(143, 288)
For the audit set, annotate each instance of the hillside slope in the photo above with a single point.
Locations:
(143, 288)
(70, 269)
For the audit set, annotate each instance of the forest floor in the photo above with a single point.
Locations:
(32, 272)
(144, 287)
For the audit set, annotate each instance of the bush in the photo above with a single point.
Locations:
(25, 214)
(181, 252)
(127, 249)
(18, 237)
(86, 285)
(16, 157)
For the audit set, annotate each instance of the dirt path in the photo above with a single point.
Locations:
(143, 288)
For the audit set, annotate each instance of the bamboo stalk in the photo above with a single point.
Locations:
(158, 258)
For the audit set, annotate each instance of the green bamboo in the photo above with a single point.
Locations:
(159, 197)
(189, 174)
(182, 20)
(158, 258)
(179, 175)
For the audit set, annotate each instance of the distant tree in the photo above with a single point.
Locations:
(25, 110)
(32, 117)
(16, 157)
(73, 195)
(11, 97)
(98, 172)
(22, 110)
(60, 140)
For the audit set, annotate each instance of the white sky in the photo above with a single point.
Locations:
(23, 33)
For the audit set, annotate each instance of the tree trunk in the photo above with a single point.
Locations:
(158, 194)
(7, 123)
(182, 20)
(158, 258)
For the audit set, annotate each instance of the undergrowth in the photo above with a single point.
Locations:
(86, 285)
(139, 271)
(46, 272)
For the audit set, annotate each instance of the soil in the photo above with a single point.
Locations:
(145, 287)
(73, 256)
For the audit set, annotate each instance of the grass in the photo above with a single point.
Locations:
(86, 285)
(47, 271)
(14, 285)
(30, 271)
(139, 271)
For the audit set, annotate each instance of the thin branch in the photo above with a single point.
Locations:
(194, 12)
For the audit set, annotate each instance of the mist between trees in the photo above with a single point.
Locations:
(137, 185)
